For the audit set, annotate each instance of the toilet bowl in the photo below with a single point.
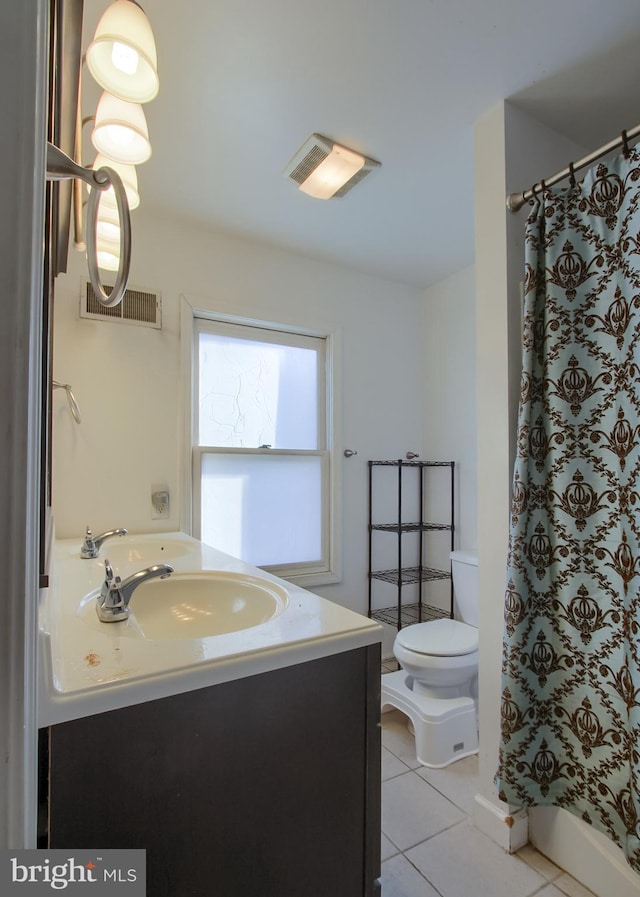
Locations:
(437, 685)
(441, 657)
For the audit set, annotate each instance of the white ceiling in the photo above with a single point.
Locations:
(243, 84)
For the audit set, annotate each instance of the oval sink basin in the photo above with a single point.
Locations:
(196, 605)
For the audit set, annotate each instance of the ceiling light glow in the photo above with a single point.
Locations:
(332, 173)
(324, 169)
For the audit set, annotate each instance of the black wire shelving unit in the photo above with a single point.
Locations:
(403, 614)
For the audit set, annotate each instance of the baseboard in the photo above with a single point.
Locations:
(583, 852)
(508, 828)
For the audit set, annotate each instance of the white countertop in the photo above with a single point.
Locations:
(91, 667)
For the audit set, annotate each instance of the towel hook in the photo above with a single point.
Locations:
(71, 399)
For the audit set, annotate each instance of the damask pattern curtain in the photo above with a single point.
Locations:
(571, 663)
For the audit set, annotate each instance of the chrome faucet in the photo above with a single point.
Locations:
(112, 604)
(91, 545)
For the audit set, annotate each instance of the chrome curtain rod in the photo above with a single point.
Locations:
(515, 201)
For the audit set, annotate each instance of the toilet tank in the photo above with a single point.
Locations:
(464, 570)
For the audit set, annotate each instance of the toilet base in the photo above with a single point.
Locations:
(446, 729)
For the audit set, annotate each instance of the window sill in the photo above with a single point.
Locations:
(304, 580)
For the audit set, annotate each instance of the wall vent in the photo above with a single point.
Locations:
(141, 307)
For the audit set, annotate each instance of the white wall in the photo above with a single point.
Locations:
(126, 378)
(449, 373)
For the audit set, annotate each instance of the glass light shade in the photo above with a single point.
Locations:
(332, 173)
(108, 224)
(108, 254)
(120, 131)
(129, 180)
(122, 56)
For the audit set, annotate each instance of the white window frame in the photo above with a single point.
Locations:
(330, 571)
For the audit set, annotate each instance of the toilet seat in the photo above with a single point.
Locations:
(439, 638)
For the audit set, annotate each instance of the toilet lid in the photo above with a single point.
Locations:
(440, 638)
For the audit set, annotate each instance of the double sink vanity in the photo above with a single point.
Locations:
(228, 724)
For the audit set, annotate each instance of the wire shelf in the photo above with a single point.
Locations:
(411, 527)
(410, 574)
(412, 563)
(409, 613)
(401, 463)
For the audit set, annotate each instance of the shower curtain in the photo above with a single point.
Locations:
(570, 716)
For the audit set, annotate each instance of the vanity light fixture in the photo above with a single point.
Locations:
(122, 56)
(108, 253)
(108, 224)
(123, 60)
(120, 131)
(326, 170)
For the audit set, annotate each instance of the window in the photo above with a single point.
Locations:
(262, 477)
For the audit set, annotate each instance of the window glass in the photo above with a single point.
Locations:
(263, 508)
(254, 393)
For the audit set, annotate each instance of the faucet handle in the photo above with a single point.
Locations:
(110, 579)
(88, 547)
(110, 605)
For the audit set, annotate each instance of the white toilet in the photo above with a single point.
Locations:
(437, 687)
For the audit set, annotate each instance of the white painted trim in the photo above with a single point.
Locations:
(23, 65)
(186, 413)
(334, 445)
(585, 853)
(252, 321)
(508, 828)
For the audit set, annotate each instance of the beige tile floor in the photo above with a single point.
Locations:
(430, 847)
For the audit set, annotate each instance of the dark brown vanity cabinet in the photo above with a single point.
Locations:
(267, 786)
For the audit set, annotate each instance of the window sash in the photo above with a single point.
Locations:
(316, 566)
(252, 333)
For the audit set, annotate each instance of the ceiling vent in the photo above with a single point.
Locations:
(140, 307)
(320, 153)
